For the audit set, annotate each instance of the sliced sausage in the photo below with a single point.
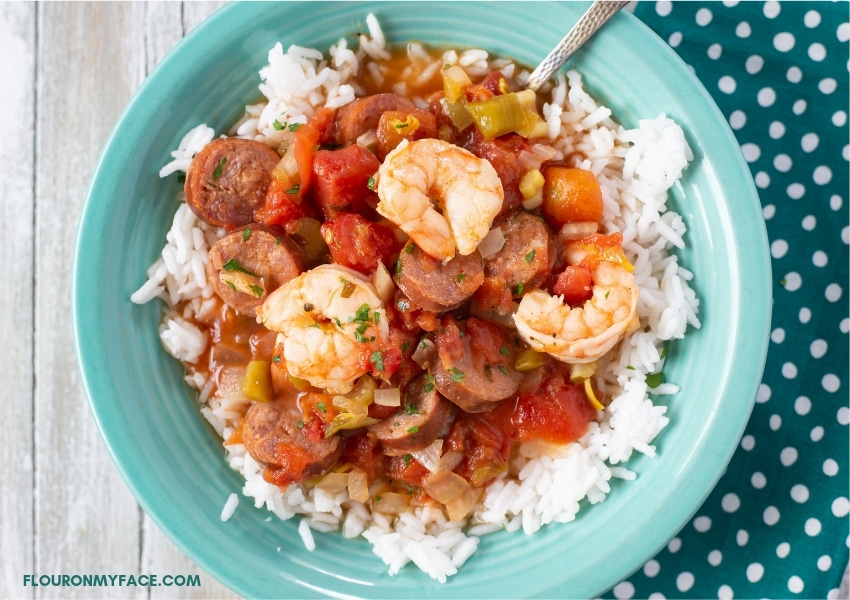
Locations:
(474, 367)
(362, 115)
(248, 264)
(525, 257)
(272, 437)
(423, 417)
(228, 181)
(435, 286)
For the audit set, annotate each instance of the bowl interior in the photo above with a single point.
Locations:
(173, 461)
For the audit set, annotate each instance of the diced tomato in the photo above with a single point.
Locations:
(486, 440)
(405, 469)
(575, 283)
(294, 461)
(397, 125)
(307, 139)
(571, 195)
(317, 410)
(494, 295)
(284, 204)
(363, 451)
(599, 247)
(358, 243)
(342, 180)
(558, 412)
(487, 88)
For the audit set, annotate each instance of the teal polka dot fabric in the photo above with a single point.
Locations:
(776, 525)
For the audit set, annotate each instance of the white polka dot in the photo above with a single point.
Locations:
(833, 292)
(812, 19)
(843, 32)
(783, 41)
(840, 507)
(805, 315)
(795, 191)
(830, 383)
(754, 64)
(743, 30)
(624, 590)
(839, 118)
(702, 524)
(730, 3)
(762, 180)
(764, 393)
(724, 592)
(792, 281)
(817, 52)
(730, 503)
(830, 467)
(795, 584)
(819, 258)
(758, 480)
(663, 7)
(656, 596)
(802, 406)
(777, 336)
(783, 549)
(809, 222)
(799, 107)
(794, 74)
(771, 516)
(817, 433)
(782, 163)
(754, 572)
(843, 415)
(715, 51)
(822, 175)
(751, 152)
(775, 422)
(737, 119)
(748, 442)
(675, 39)
(726, 84)
(778, 248)
(825, 562)
(771, 9)
(788, 456)
(651, 568)
(818, 348)
(844, 325)
(835, 202)
(674, 545)
(742, 537)
(800, 493)
(703, 17)
(812, 527)
(809, 142)
(715, 557)
(684, 581)
(766, 97)
(827, 85)
(776, 130)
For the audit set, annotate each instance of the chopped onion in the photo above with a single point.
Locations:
(581, 371)
(333, 483)
(424, 353)
(445, 486)
(368, 140)
(288, 165)
(450, 460)
(576, 231)
(383, 282)
(390, 503)
(388, 397)
(460, 507)
(492, 243)
(358, 488)
(429, 456)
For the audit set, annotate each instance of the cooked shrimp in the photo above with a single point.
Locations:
(584, 333)
(444, 197)
(324, 317)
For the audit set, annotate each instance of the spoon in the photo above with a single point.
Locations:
(590, 22)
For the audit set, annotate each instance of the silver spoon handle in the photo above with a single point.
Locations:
(590, 22)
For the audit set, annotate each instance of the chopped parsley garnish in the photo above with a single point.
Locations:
(300, 424)
(321, 407)
(219, 168)
(362, 314)
(402, 125)
(277, 241)
(430, 383)
(276, 359)
(409, 248)
(407, 459)
(529, 257)
(371, 184)
(518, 290)
(413, 429)
(653, 380)
(461, 277)
(505, 351)
(377, 359)
(258, 291)
(246, 234)
(378, 498)
(294, 189)
(294, 126)
(405, 345)
(457, 375)
(233, 265)
(606, 294)
(503, 370)
(411, 409)
(278, 125)
(230, 284)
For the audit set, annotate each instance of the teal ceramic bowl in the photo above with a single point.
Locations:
(173, 462)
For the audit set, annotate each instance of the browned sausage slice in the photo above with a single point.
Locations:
(474, 367)
(362, 115)
(525, 257)
(435, 286)
(423, 418)
(228, 181)
(248, 264)
(271, 436)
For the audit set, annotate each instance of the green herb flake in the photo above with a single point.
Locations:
(409, 248)
(230, 284)
(413, 429)
(257, 290)
(505, 351)
(246, 234)
(233, 265)
(378, 498)
(321, 407)
(277, 241)
(518, 290)
(503, 370)
(294, 126)
(276, 359)
(278, 125)
(300, 424)
(606, 294)
(456, 375)
(362, 314)
(377, 359)
(405, 346)
(402, 125)
(430, 383)
(653, 380)
(410, 409)
(407, 459)
(529, 257)
(630, 367)
(461, 277)
(294, 189)
(219, 168)
(371, 184)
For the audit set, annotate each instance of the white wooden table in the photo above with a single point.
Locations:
(67, 70)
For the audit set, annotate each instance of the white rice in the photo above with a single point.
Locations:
(636, 168)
